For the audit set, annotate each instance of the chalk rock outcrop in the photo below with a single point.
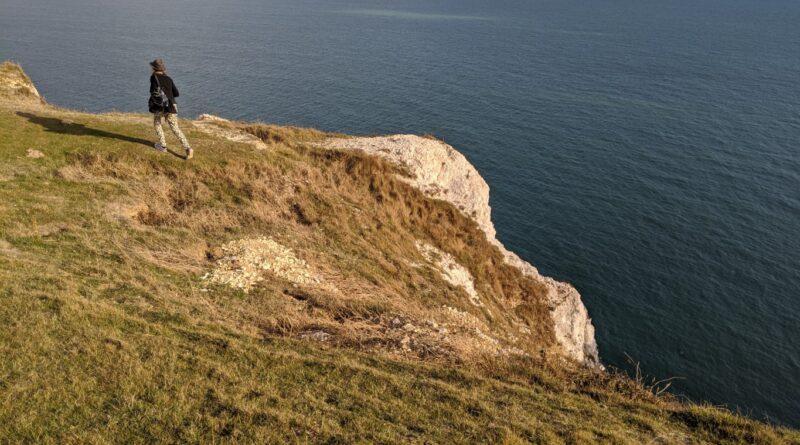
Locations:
(441, 172)
(452, 272)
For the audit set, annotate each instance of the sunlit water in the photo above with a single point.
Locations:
(646, 151)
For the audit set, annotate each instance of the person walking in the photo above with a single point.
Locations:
(162, 104)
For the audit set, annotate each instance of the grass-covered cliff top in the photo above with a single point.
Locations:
(128, 315)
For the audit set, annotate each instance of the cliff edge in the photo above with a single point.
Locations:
(442, 172)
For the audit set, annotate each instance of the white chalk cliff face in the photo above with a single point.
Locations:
(441, 172)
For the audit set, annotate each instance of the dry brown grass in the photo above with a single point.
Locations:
(291, 136)
(353, 219)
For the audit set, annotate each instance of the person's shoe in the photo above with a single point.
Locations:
(189, 154)
(161, 148)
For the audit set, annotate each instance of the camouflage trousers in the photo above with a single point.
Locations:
(172, 121)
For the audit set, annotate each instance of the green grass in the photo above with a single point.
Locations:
(110, 336)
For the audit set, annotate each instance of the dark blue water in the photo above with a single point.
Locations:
(646, 151)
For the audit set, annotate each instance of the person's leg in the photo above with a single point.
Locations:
(162, 143)
(172, 120)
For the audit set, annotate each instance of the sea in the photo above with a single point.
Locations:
(647, 151)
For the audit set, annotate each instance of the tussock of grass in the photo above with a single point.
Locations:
(110, 335)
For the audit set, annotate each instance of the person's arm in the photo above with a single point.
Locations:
(152, 83)
(175, 92)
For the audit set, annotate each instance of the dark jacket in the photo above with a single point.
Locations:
(169, 88)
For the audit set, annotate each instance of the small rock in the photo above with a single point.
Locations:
(35, 154)
(317, 336)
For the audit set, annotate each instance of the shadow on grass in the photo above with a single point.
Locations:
(56, 125)
(175, 153)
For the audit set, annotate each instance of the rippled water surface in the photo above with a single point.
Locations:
(646, 151)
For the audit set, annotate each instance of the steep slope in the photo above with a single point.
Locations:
(271, 291)
(443, 173)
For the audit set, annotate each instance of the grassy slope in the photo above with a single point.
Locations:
(108, 337)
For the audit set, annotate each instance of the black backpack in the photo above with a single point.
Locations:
(158, 98)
